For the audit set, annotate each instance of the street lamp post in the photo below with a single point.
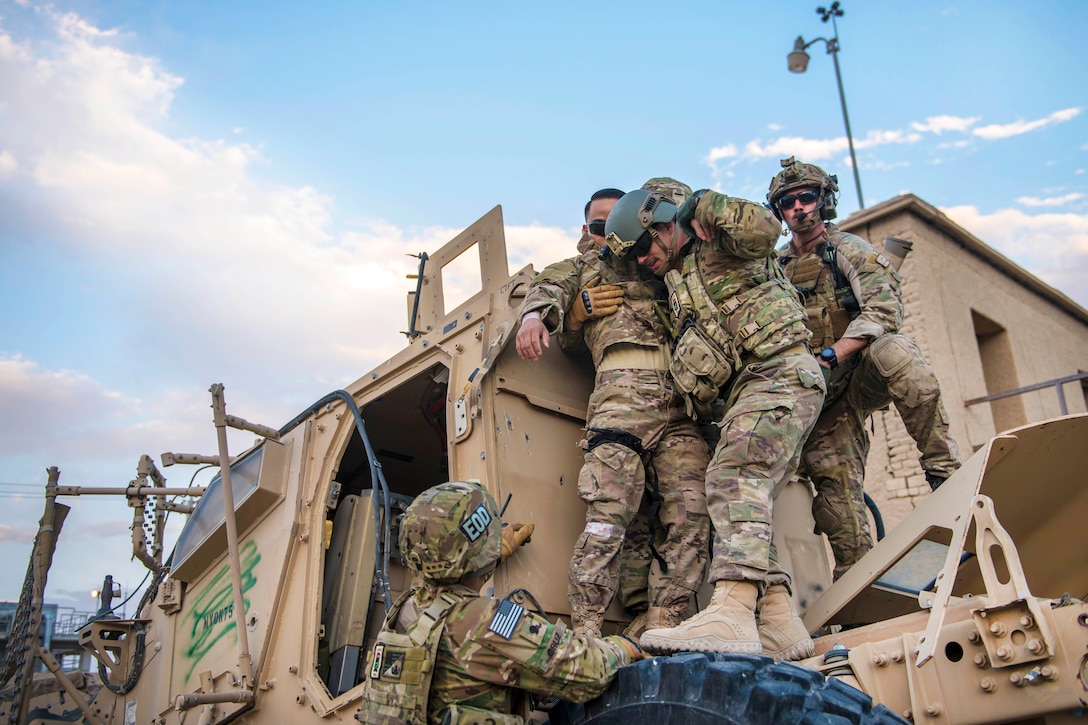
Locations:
(798, 63)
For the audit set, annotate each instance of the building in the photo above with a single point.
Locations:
(987, 326)
(59, 633)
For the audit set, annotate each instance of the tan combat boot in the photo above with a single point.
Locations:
(654, 618)
(781, 631)
(586, 623)
(728, 624)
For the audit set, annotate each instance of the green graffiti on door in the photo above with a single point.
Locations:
(211, 617)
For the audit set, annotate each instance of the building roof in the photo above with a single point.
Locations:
(911, 204)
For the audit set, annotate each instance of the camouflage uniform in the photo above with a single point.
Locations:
(445, 654)
(852, 291)
(638, 400)
(479, 672)
(742, 329)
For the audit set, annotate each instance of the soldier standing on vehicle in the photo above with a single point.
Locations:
(739, 333)
(639, 438)
(446, 654)
(853, 302)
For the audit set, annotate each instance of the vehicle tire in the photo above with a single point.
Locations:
(700, 689)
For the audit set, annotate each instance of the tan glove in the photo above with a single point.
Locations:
(631, 649)
(593, 302)
(514, 536)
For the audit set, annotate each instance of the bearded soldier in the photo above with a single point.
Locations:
(852, 299)
(740, 333)
(447, 655)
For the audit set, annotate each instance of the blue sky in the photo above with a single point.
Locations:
(208, 192)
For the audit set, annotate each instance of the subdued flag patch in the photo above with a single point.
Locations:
(506, 618)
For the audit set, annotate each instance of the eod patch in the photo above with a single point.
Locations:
(476, 524)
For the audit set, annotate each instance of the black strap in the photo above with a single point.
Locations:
(849, 302)
(625, 439)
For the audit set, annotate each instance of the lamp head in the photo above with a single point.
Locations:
(798, 59)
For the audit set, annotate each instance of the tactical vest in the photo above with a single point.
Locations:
(636, 321)
(400, 667)
(714, 340)
(830, 304)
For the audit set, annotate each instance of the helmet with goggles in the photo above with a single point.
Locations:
(797, 175)
(450, 531)
(629, 229)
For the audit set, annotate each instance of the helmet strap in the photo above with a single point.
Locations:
(664, 247)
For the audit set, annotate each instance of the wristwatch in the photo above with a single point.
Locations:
(828, 356)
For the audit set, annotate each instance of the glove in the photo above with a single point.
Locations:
(513, 536)
(628, 645)
(593, 302)
(686, 212)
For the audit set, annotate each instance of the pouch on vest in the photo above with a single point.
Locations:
(400, 666)
(699, 368)
(769, 320)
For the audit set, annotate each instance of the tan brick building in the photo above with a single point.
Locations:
(986, 325)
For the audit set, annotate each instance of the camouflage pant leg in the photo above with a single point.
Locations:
(771, 407)
(680, 461)
(834, 459)
(635, 557)
(894, 370)
(612, 480)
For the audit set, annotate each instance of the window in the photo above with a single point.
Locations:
(999, 372)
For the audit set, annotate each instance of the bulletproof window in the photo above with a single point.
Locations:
(461, 279)
(256, 480)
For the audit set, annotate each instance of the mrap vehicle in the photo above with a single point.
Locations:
(969, 611)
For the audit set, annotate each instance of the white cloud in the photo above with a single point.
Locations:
(721, 152)
(939, 124)
(1053, 246)
(818, 150)
(20, 534)
(8, 164)
(997, 131)
(809, 149)
(1052, 201)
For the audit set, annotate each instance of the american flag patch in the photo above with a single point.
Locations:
(506, 618)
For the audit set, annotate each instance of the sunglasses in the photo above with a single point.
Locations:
(596, 228)
(805, 197)
(642, 246)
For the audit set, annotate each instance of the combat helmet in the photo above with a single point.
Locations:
(676, 191)
(451, 530)
(629, 228)
(795, 175)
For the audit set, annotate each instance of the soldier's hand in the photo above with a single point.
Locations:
(703, 232)
(532, 338)
(514, 536)
(593, 302)
(685, 215)
(630, 647)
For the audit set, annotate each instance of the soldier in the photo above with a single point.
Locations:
(447, 655)
(639, 438)
(739, 332)
(852, 299)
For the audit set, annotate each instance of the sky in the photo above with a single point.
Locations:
(208, 192)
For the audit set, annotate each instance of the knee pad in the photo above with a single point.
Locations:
(828, 521)
(890, 354)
